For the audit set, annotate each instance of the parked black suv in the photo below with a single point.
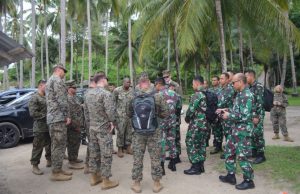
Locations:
(10, 95)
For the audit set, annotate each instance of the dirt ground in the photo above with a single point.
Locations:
(16, 176)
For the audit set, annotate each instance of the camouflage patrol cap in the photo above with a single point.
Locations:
(71, 84)
(166, 72)
(60, 66)
(144, 77)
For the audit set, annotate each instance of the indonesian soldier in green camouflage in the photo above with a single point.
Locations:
(38, 111)
(238, 145)
(58, 117)
(197, 130)
(73, 134)
(101, 110)
(258, 141)
(278, 114)
(152, 141)
(123, 95)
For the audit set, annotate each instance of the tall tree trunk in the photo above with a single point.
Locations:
(72, 49)
(295, 91)
(242, 66)
(118, 73)
(63, 32)
(42, 56)
(221, 34)
(177, 56)
(106, 42)
(46, 39)
(231, 60)
(33, 44)
(169, 51)
(89, 37)
(284, 64)
(251, 51)
(185, 78)
(130, 52)
(279, 74)
(82, 63)
(21, 42)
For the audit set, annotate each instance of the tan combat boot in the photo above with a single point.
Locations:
(120, 153)
(276, 136)
(288, 139)
(78, 161)
(86, 169)
(157, 187)
(66, 172)
(36, 170)
(49, 163)
(129, 150)
(136, 187)
(59, 176)
(108, 184)
(75, 166)
(95, 179)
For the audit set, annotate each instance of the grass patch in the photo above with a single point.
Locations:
(294, 101)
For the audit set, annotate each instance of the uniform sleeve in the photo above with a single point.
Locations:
(193, 105)
(34, 109)
(285, 102)
(243, 112)
(259, 110)
(61, 93)
(162, 108)
(109, 105)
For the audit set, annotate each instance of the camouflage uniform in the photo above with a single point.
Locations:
(178, 88)
(73, 134)
(87, 127)
(258, 141)
(152, 142)
(169, 125)
(38, 110)
(197, 131)
(216, 126)
(122, 98)
(238, 145)
(278, 114)
(101, 111)
(225, 100)
(57, 113)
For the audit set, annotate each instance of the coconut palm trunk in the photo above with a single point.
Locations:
(295, 91)
(106, 41)
(21, 42)
(46, 39)
(63, 32)
(130, 51)
(176, 56)
(283, 74)
(72, 49)
(89, 37)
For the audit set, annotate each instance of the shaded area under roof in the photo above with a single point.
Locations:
(11, 51)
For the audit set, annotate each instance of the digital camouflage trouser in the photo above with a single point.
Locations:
(153, 144)
(168, 143)
(40, 141)
(258, 141)
(73, 144)
(238, 147)
(226, 128)
(217, 131)
(58, 134)
(124, 129)
(87, 157)
(101, 147)
(178, 139)
(278, 118)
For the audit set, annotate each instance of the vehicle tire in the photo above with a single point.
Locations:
(9, 135)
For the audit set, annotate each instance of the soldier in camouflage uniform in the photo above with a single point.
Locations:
(258, 141)
(123, 95)
(152, 142)
(101, 110)
(216, 126)
(58, 117)
(73, 134)
(38, 111)
(278, 114)
(168, 79)
(197, 131)
(168, 124)
(238, 145)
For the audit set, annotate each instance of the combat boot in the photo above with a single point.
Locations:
(177, 159)
(229, 178)
(260, 158)
(108, 184)
(75, 166)
(59, 176)
(287, 138)
(202, 170)
(194, 170)
(276, 136)
(36, 170)
(84, 142)
(217, 149)
(136, 187)
(157, 187)
(172, 165)
(222, 156)
(120, 153)
(129, 150)
(163, 168)
(95, 179)
(86, 169)
(49, 163)
(66, 172)
(246, 184)
(77, 161)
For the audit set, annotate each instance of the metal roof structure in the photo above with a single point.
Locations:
(11, 51)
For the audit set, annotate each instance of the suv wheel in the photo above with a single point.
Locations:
(9, 135)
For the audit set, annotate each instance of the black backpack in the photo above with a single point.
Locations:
(212, 106)
(268, 99)
(144, 121)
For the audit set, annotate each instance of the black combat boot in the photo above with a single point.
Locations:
(177, 159)
(202, 167)
(172, 165)
(260, 158)
(194, 170)
(218, 148)
(254, 153)
(207, 142)
(229, 178)
(222, 156)
(246, 184)
(163, 168)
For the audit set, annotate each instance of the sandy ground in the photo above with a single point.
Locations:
(16, 176)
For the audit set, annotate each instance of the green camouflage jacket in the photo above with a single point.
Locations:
(76, 112)
(258, 102)
(38, 111)
(122, 98)
(226, 97)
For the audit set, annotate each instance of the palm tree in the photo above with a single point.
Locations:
(33, 44)
(21, 42)
(89, 37)
(63, 32)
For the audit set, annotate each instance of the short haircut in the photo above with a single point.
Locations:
(160, 81)
(216, 77)
(242, 77)
(250, 71)
(99, 77)
(126, 78)
(226, 75)
(42, 81)
(199, 78)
